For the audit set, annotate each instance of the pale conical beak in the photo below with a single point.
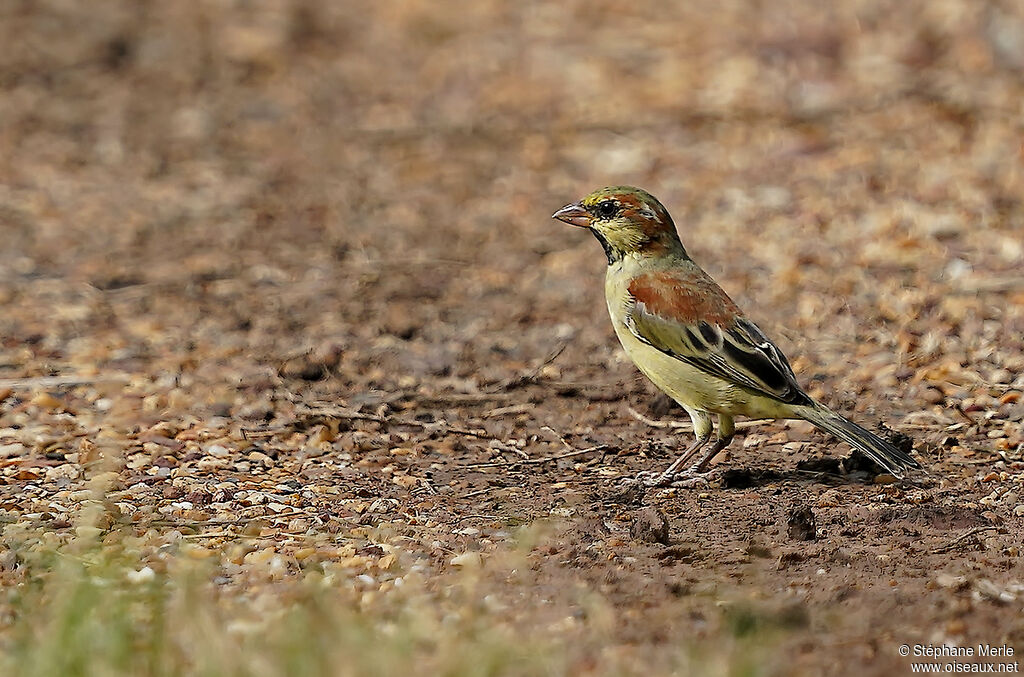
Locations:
(573, 214)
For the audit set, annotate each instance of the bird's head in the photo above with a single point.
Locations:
(626, 221)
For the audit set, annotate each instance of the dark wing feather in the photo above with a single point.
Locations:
(729, 347)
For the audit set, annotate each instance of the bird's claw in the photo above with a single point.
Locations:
(685, 479)
(649, 478)
(681, 479)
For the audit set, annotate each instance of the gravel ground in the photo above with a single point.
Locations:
(280, 291)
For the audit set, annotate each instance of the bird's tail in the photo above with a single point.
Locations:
(881, 452)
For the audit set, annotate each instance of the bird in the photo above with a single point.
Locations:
(687, 336)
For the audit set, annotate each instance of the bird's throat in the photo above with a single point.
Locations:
(610, 252)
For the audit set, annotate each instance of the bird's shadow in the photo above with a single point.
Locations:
(853, 469)
(752, 478)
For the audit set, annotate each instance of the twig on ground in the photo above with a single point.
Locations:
(348, 414)
(959, 539)
(992, 285)
(241, 521)
(428, 485)
(256, 433)
(526, 379)
(534, 461)
(59, 381)
(480, 492)
(216, 534)
(983, 461)
(960, 410)
(30, 462)
(560, 436)
(505, 411)
(460, 398)
(283, 361)
(688, 427)
(407, 261)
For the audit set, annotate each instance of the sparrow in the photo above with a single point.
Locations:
(687, 336)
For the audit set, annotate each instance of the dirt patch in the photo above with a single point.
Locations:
(280, 289)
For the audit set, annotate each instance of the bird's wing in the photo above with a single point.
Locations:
(685, 314)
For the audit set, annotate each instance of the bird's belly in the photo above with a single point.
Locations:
(693, 388)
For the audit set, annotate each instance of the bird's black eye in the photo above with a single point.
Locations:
(607, 208)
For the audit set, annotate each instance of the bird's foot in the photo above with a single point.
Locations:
(647, 478)
(689, 479)
(682, 479)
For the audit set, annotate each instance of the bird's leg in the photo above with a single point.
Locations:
(698, 472)
(701, 466)
(656, 479)
(702, 427)
(697, 445)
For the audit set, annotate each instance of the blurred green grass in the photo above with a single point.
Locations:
(89, 614)
(84, 609)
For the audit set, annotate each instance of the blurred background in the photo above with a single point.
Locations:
(223, 222)
(382, 174)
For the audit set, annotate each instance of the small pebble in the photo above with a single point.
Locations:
(468, 560)
(143, 575)
(650, 526)
(801, 524)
